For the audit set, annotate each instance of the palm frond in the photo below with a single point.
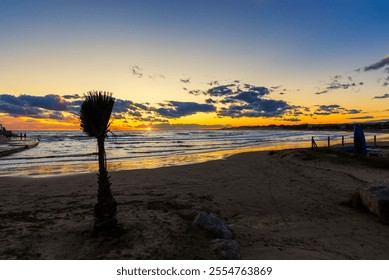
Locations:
(95, 113)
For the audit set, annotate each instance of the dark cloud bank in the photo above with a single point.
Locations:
(53, 106)
(233, 100)
(251, 101)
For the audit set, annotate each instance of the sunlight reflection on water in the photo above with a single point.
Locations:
(71, 152)
(145, 163)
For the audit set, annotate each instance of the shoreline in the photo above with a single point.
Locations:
(52, 170)
(147, 163)
(49, 170)
(16, 145)
(47, 161)
(281, 205)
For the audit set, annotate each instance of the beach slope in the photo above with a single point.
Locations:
(280, 205)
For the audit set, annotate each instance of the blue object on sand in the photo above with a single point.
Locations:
(359, 141)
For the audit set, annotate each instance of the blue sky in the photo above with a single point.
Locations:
(71, 46)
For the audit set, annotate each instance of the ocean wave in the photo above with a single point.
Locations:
(63, 148)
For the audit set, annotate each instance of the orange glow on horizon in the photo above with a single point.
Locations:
(212, 122)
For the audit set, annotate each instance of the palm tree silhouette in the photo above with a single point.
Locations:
(95, 116)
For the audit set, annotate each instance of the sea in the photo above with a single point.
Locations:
(70, 152)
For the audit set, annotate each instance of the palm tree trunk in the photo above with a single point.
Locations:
(105, 208)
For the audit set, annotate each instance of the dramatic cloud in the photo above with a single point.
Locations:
(386, 95)
(260, 90)
(210, 101)
(261, 108)
(378, 65)
(220, 90)
(49, 102)
(296, 111)
(339, 82)
(122, 106)
(233, 100)
(54, 107)
(230, 90)
(15, 110)
(127, 106)
(250, 102)
(176, 109)
(325, 110)
(29, 105)
(249, 96)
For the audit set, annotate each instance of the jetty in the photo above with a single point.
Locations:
(11, 143)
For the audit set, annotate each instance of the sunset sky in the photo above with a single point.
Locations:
(194, 63)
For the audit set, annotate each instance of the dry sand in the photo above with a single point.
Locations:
(280, 205)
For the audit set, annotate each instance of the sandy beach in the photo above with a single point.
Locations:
(290, 204)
